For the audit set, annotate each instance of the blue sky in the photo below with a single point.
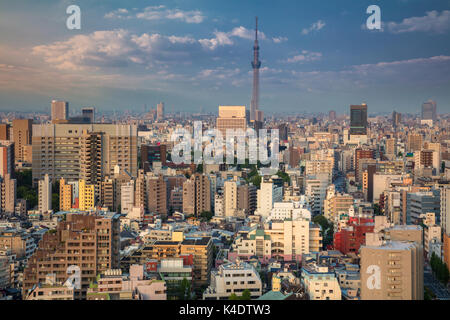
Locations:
(195, 55)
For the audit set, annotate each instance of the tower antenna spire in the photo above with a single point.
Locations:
(256, 30)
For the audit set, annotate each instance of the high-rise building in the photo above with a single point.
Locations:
(393, 270)
(396, 119)
(429, 110)
(391, 147)
(267, 195)
(445, 209)
(89, 113)
(283, 130)
(358, 119)
(91, 242)
(197, 195)
(202, 251)
(256, 65)
(5, 131)
(360, 154)
(60, 110)
(8, 188)
(156, 192)
(86, 196)
(22, 134)
(92, 151)
(332, 115)
(231, 117)
(6, 158)
(415, 141)
(45, 195)
(160, 111)
(65, 195)
(153, 153)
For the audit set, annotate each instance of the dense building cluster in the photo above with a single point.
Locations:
(97, 210)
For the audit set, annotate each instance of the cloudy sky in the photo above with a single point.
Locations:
(195, 55)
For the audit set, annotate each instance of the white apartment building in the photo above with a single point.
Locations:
(266, 196)
(127, 196)
(290, 210)
(233, 278)
(45, 195)
(320, 283)
(315, 191)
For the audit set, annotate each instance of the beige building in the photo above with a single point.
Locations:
(202, 252)
(231, 117)
(90, 242)
(8, 188)
(197, 195)
(60, 110)
(71, 151)
(45, 195)
(392, 270)
(22, 136)
(50, 290)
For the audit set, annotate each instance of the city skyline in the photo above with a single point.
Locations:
(195, 56)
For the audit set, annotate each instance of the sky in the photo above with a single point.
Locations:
(195, 55)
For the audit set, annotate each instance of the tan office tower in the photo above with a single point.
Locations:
(156, 189)
(415, 142)
(8, 188)
(22, 133)
(160, 111)
(231, 117)
(390, 147)
(71, 151)
(197, 195)
(6, 158)
(107, 194)
(392, 271)
(202, 251)
(60, 110)
(5, 131)
(65, 195)
(246, 200)
(91, 242)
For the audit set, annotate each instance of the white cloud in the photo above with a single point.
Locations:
(115, 48)
(316, 26)
(159, 13)
(220, 39)
(225, 38)
(433, 21)
(279, 39)
(305, 56)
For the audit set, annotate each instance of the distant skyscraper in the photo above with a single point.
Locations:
(160, 111)
(88, 112)
(6, 158)
(60, 110)
(332, 115)
(429, 110)
(22, 132)
(396, 119)
(358, 119)
(256, 64)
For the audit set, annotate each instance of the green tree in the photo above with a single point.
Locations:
(246, 295)
(233, 296)
(206, 215)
